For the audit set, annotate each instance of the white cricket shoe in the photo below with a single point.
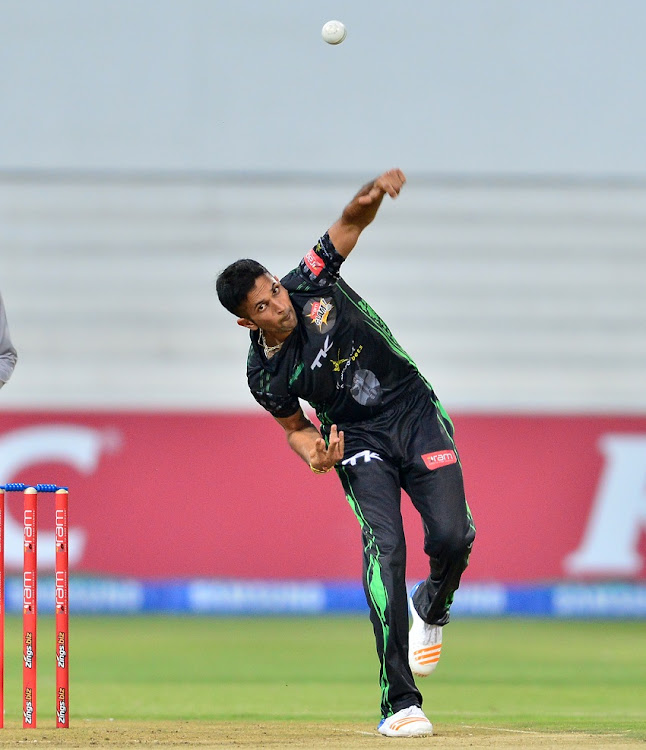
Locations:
(409, 722)
(424, 642)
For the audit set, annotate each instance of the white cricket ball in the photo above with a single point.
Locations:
(334, 32)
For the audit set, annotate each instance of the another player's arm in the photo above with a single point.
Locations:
(362, 209)
(305, 440)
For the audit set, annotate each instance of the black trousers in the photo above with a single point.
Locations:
(409, 446)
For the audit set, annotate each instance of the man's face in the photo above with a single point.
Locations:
(269, 307)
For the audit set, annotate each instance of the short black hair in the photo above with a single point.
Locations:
(236, 281)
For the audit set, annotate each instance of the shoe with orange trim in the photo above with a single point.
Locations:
(409, 722)
(424, 642)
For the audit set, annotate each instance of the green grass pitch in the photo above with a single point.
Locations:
(516, 674)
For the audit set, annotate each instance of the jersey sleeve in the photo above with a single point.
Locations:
(277, 405)
(270, 392)
(321, 265)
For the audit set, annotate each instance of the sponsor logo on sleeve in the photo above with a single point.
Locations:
(314, 262)
(439, 458)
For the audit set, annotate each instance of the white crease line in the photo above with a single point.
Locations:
(501, 729)
(624, 733)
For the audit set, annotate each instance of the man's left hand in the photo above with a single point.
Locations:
(323, 457)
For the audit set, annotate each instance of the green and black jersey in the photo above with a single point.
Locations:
(341, 358)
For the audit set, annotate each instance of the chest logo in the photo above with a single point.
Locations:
(327, 345)
(340, 365)
(366, 388)
(320, 313)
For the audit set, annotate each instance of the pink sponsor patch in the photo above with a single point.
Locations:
(439, 458)
(314, 262)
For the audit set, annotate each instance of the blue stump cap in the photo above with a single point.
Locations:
(21, 487)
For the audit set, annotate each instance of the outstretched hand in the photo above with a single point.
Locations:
(390, 182)
(322, 456)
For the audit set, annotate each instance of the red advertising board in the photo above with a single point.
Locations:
(166, 495)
